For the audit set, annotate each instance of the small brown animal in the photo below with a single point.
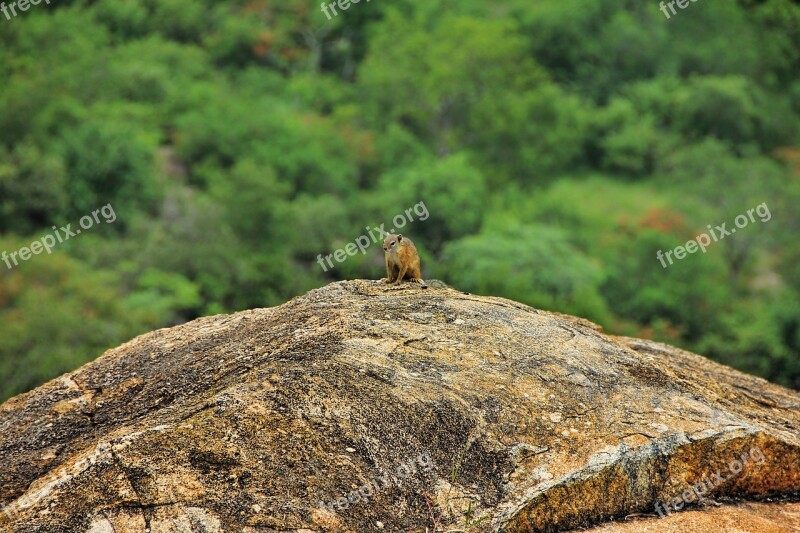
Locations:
(402, 260)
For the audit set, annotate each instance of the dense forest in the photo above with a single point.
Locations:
(557, 147)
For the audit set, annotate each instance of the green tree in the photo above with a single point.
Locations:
(534, 265)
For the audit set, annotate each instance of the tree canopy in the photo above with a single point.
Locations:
(558, 146)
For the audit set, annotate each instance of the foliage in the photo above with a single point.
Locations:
(58, 314)
(536, 265)
(557, 146)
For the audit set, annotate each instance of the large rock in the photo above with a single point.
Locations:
(416, 405)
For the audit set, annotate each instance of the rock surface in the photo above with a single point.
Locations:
(416, 405)
(763, 517)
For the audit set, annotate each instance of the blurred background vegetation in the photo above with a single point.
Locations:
(557, 144)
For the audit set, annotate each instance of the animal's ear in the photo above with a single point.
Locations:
(400, 237)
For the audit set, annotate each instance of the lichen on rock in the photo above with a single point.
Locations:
(273, 419)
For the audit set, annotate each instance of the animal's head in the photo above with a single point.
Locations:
(391, 242)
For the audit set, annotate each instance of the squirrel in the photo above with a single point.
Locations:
(402, 260)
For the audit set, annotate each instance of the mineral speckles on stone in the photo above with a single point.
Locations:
(536, 420)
